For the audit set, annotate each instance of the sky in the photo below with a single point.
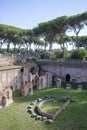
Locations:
(28, 13)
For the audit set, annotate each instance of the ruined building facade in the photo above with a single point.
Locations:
(71, 71)
(38, 76)
(24, 78)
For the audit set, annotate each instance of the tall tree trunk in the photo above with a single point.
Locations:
(1, 47)
(19, 46)
(14, 47)
(29, 46)
(50, 50)
(63, 52)
(8, 47)
(77, 40)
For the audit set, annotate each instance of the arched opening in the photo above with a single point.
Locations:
(33, 70)
(34, 84)
(22, 69)
(11, 87)
(53, 80)
(67, 78)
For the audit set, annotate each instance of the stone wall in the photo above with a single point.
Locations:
(7, 59)
(27, 89)
(10, 77)
(44, 80)
(15, 77)
(6, 97)
(31, 80)
(74, 71)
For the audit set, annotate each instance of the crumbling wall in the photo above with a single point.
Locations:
(76, 69)
(10, 77)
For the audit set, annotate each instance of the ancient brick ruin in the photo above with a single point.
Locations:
(21, 77)
(68, 71)
(36, 75)
(5, 97)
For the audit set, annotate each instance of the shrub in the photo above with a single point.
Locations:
(78, 54)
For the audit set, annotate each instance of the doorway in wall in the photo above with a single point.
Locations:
(53, 80)
(67, 78)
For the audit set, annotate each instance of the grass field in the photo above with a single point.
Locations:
(74, 117)
(52, 106)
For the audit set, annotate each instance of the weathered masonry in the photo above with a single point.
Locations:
(73, 71)
(38, 76)
(21, 77)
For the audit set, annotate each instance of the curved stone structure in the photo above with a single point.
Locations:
(43, 114)
(49, 116)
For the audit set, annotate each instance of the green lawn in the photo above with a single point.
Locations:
(74, 117)
(51, 107)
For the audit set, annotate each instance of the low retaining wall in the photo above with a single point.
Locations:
(62, 108)
(49, 115)
(43, 113)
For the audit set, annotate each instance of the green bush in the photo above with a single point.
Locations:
(45, 55)
(78, 54)
(59, 54)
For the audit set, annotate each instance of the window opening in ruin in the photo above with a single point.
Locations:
(67, 78)
(33, 70)
(25, 82)
(34, 84)
(22, 69)
(11, 87)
